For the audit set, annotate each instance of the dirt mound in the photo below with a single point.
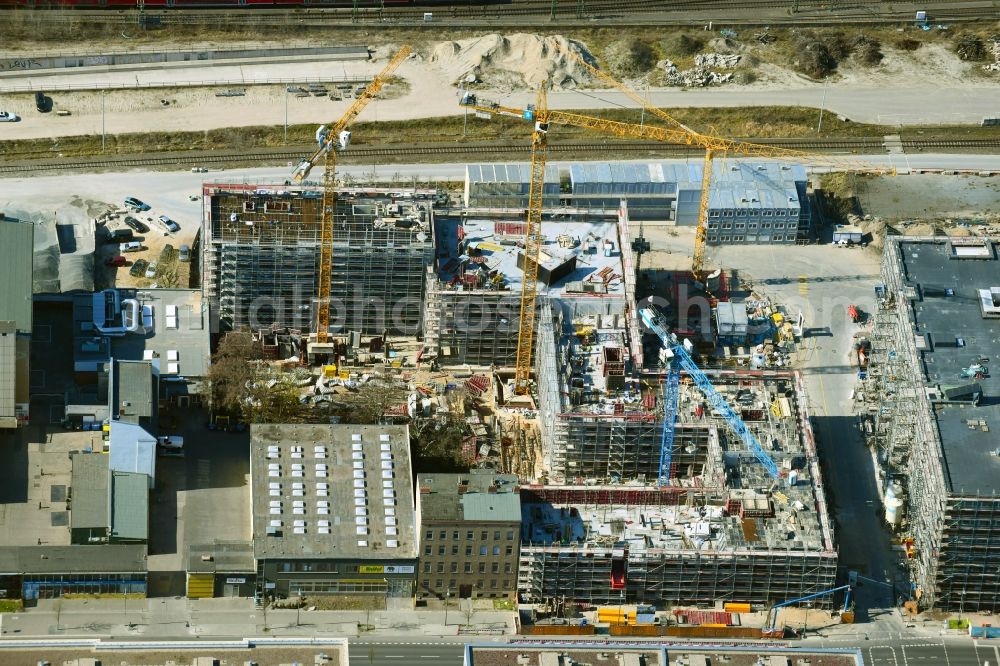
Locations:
(513, 61)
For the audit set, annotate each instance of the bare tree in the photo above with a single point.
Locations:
(234, 365)
(376, 397)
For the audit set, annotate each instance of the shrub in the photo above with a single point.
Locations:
(684, 45)
(631, 57)
(970, 47)
(907, 44)
(867, 51)
(815, 60)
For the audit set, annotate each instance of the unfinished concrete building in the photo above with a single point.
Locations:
(932, 402)
(474, 295)
(722, 530)
(260, 257)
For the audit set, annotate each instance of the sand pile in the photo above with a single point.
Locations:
(512, 61)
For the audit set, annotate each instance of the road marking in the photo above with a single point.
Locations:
(804, 285)
(430, 656)
(393, 656)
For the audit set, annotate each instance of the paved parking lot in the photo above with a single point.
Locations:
(200, 498)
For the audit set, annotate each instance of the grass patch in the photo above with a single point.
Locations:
(11, 605)
(504, 605)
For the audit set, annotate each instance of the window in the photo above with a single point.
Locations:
(444, 534)
(496, 535)
(440, 567)
(440, 550)
(485, 535)
(468, 535)
(427, 550)
(454, 567)
(738, 238)
(451, 583)
(506, 584)
(429, 535)
(510, 550)
(713, 213)
(493, 583)
(468, 551)
(510, 535)
(496, 550)
(495, 568)
(727, 225)
(427, 567)
(765, 225)
(454, 535)
(482, 567)
(507, 569)
(468, 567)
(438, 583)
(741, 225)
(482, 550)
(726, 239)
(454, 550)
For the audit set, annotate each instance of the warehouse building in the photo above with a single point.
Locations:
(261, 253)
(49, 572)
(470, 534)
(16, 246)
(106, 505)
(749, 202)
(333, 511)
(933, 407)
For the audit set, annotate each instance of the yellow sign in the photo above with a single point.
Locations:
(371, 569)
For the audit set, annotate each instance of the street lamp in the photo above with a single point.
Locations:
(447, 596)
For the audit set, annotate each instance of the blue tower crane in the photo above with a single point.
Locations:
(679, 357)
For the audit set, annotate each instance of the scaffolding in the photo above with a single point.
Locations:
(262, 254)
(949, 533)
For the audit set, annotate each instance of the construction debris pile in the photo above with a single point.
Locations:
(722, 60)
(994, 48)
(697, 76)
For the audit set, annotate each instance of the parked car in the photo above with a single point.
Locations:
(117, 260)
(151, 270)
(134, 246)
(118, 235)
(184, 254)
(137, 204)
(169, 224)
(43, 102)
(8, 117)
(139, 227)
(170, 445)
(138, 268)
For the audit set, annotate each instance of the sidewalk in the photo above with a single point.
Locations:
(183, 618)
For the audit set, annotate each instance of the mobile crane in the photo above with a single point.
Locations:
(770, 624)
(330, 140)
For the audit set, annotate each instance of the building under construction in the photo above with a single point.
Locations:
(474, 290)
(260, 257)
(932, 403)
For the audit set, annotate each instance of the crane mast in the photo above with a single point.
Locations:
(532, 246)
(330, 140)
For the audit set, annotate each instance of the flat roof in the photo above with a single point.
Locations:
(132, 392)
(332, 491)
(627, 653)
(496, 251)
(115, 558)
(179, 338)
(947, 311)
(89, 488)
(16, 257)
(221, 557)
(478, 496)
(129, 506)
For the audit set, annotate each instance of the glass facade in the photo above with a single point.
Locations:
(55, 586)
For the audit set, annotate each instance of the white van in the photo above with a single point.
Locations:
(134, 246)
(170, 445)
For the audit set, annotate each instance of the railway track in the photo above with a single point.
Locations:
(359, 154)
(642, 12)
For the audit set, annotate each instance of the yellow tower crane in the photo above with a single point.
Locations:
(713, 146)
(543, 117)
(330, 140)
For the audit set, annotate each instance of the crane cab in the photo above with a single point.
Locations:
(301, 172)
(343, 140)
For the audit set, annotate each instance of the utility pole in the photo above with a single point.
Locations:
(819, 126)
(103, 140)
(286, 115)
(447, 596)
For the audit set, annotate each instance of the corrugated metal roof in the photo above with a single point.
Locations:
(16, 254)
(504, 507)
(132, 449)
(129, 506)
(89, 486)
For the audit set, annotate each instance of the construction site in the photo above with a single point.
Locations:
(261, 246)
(929, 402)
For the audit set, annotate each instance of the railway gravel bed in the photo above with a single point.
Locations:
(462, 152)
